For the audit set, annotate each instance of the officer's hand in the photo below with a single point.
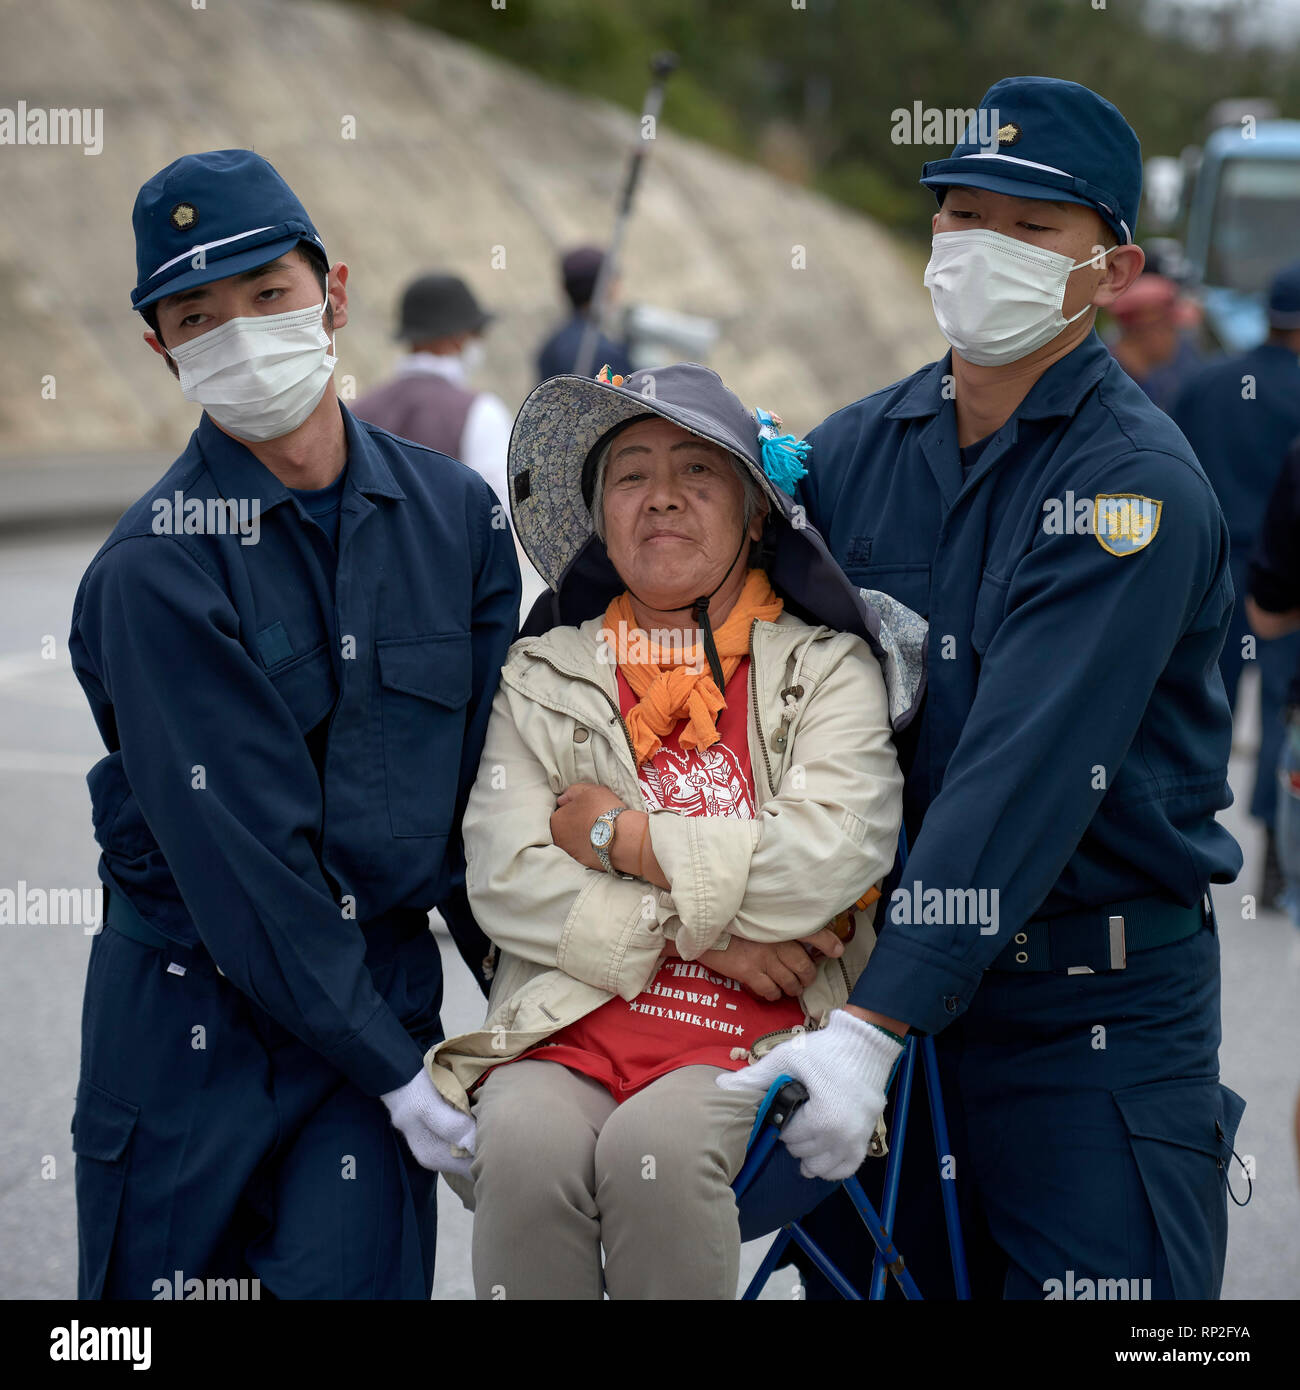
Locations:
(845, 1067)
(431, 1125)
(769, 968)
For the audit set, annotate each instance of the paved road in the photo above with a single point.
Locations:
(47, 742)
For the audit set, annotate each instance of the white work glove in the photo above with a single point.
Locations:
(431, 1125)
(845, 1067)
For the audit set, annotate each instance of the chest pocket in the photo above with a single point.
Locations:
(425, 686)
(306, 684)
(990, 609)
(909, 584)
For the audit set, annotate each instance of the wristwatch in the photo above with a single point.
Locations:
(602, 836)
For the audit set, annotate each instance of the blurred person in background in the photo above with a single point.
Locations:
(1272, 607)
(1153, 345)
(431, 400)
(1240, 414)
(579, 271)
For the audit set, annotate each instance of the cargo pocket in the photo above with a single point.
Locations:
(1182, 1133)
(426, 686)
(101, 1131)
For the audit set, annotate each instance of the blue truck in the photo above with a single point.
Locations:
(1239, 215)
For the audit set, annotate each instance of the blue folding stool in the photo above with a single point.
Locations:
(774, 1196)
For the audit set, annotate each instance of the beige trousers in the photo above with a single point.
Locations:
(561, 1170)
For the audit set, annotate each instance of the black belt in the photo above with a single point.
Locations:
(385, 937)
(122, 918)
(1100, 938)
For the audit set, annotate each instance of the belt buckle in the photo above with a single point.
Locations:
(1117, 953)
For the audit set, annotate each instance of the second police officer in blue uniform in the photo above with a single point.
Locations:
(1240, 414)
(290, 646)
(1072, 560)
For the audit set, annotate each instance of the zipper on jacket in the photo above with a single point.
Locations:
(595, 685)
(753, 697)
(807, 1021)
(776, 1033)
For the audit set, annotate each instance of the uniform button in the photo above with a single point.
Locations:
(950, 1003)
(1022, 957)
(581, 735)
(1021, 938)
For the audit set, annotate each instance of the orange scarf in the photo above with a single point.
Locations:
(677, 684)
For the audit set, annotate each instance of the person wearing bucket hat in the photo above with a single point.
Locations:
(697, 730)
(430, 397)
(290, 740)
(1057, 531)
(430, 400)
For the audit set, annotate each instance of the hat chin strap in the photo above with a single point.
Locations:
(700, 612)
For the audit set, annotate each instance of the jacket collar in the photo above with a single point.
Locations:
(571, 651)
(1059, 391)
(239, 473)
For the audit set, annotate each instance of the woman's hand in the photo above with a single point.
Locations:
(770, 969)
(575, 812)
(630, 851)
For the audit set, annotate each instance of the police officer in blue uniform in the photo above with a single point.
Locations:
(1069, 553)
(290, 647)
(1240, 414)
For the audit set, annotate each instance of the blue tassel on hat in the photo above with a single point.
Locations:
(783, 455)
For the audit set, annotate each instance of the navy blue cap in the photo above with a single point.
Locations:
(1284, 297)
(227, 208)
(1044, 137)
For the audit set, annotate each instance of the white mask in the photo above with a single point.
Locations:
(998, 299)
(472, 355)
(259, 377)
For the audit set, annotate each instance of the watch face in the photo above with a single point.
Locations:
(601, 833)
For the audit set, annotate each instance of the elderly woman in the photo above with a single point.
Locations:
(676, 797)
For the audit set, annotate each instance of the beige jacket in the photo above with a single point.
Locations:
(828, 793)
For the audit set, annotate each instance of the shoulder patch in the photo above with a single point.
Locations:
(1125, 522)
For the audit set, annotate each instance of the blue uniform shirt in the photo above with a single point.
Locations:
(1273, 575)
(1073, 747)
(559, 353)
(290, 744)
(1240, 414)
(324, 505)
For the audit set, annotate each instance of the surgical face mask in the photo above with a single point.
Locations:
(471, 356)
(259, 377)
(998, 299)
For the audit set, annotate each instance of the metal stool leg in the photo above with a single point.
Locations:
(939, 1124)
(770, 1261)
(894, 1163)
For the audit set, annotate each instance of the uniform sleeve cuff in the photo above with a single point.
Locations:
(924, 988)
(381, 1057)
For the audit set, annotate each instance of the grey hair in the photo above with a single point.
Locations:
(753, 498)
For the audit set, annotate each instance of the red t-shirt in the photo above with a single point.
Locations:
(688, 1015)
